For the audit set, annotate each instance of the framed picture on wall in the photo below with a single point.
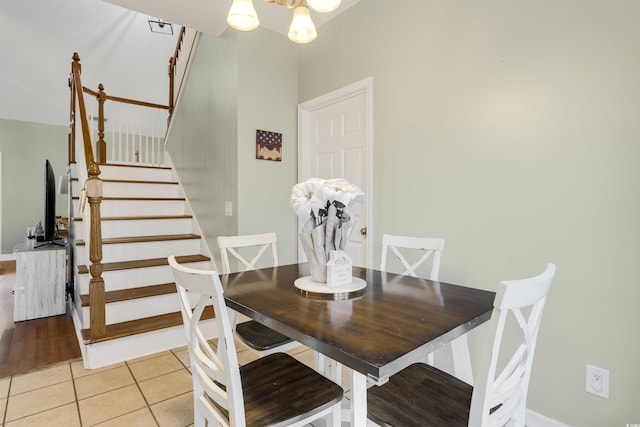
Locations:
(268, 145)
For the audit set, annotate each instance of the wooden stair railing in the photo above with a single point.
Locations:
(101, 145)
(172, 72)
(91, 175)
(93, 188)
(128, 143)
(178, 65)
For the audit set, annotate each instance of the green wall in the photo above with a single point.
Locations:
(511, 129)
(202, 140)
(267, 100)
(25, 146)
(238, 83)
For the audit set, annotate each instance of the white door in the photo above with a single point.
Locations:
(335, 141)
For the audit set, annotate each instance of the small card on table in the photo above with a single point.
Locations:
(339, 269)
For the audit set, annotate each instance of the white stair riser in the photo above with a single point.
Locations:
(123, 311)
(142, 207)
(135, 277)
(136, 208)
(135, 189)
(139, 227)
(118, 252)
(75, 210)
(143, 189)
(132, 347)
(150, 227)
(79, 230)
(133, 173)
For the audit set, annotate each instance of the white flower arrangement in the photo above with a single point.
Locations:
(324, 207)
(314, 197)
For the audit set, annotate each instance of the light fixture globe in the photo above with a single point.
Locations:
(302, 29)
(242, 15)
(324, 5)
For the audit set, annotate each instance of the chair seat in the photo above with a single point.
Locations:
(420, 395)
(259, 337)
(279, 388)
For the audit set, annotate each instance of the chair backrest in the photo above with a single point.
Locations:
(420, 247)
(232, 244)
(216, 376)
(501, 395)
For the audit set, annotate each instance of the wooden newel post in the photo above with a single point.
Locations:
(96, 283)
(76, 60)
(101, 148)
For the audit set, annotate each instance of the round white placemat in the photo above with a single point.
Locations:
(309, 286)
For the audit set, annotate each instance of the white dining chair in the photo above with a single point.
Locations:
(418, 249)
(413, 255)
(424, 395)
(272, 390)
(249, 250)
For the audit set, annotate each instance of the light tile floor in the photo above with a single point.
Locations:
(150, 391)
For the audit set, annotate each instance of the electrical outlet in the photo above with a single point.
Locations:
(597, 381)
(228, 208)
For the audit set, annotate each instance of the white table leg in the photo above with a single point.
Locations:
(462, 359)
(320, 363)
(358, 399)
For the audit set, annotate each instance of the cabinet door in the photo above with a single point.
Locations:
(40, 284)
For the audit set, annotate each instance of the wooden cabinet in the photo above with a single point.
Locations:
(40, 280)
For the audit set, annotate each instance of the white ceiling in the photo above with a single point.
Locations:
(115, 45)
(210, 15)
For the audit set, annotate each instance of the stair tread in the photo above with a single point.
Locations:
(133, 293)
(126, 165)
(139, 326)
(140, 181)
(141, 239)
(138, 198)
(142, 263)
(142, 217)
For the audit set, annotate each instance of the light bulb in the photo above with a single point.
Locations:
(324, 5)
(242, 15)
(302, 29)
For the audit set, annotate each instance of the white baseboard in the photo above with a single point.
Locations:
(534, 419)
(7, 257)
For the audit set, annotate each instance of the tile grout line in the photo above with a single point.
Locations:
(146, 402)
(75, 394)
(6, 406)
(179, 360)
(11, 379)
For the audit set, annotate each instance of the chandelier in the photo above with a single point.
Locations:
(242, 16)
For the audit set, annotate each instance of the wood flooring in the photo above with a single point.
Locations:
(31, 344)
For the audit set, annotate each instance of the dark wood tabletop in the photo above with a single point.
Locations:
(396, 321)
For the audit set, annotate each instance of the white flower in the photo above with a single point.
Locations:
(312, 198)
(340, 190)
(307, 198)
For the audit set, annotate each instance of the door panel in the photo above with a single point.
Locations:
(335, 142)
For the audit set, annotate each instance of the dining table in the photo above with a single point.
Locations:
(377, 331)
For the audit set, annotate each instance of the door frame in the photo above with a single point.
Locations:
(364, 86)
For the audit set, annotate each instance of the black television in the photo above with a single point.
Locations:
(49, 206)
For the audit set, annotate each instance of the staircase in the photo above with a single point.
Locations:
(145, 218)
